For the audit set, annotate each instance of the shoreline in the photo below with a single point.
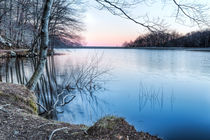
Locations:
(19, 119)
(14, 53)
(26, 52)
(144, 48)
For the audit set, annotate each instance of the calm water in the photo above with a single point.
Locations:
(164, 92)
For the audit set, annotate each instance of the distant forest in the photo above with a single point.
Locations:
(172, 39)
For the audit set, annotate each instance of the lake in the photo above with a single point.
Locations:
(163, 92)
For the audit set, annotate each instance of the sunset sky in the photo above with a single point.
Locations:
(105, 29)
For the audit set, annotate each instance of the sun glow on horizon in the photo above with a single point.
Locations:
(105, 29)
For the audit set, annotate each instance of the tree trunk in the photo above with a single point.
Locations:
(44, 46)
(10, 20)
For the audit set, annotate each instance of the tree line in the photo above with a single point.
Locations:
(20, 22)
(172, 39)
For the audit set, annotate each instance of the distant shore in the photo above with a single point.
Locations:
(144, 48)
(26, 52)
(174, 48)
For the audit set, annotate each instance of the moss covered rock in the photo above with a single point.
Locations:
(114, 128)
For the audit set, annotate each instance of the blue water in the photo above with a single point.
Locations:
(163, 92)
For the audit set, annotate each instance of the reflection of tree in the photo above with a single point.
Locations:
(59, 86)
(12, 70)
(153, 97)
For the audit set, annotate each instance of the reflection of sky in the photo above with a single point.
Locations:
(178, 97)
(104, 29)
(184, 77)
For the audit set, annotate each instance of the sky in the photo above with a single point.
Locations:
(105, 29)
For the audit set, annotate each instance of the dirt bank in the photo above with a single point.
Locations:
(19, 120)
(14, 53)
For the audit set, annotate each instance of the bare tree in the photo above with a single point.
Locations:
(64, 16)
(44, 46)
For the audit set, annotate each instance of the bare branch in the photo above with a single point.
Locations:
(42, 107)
(56, 130)
(66, 102)
(194, 12)
(119, 11)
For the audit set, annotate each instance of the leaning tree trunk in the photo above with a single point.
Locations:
(44, 46)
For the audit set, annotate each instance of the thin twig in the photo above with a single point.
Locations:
(56, 130)
(42, 107)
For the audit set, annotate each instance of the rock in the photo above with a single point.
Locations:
(114, 128)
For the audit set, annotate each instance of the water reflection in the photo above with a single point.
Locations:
(13, 70)
(57, 86)
(174, 95)
(154, 98)
(150, 96)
